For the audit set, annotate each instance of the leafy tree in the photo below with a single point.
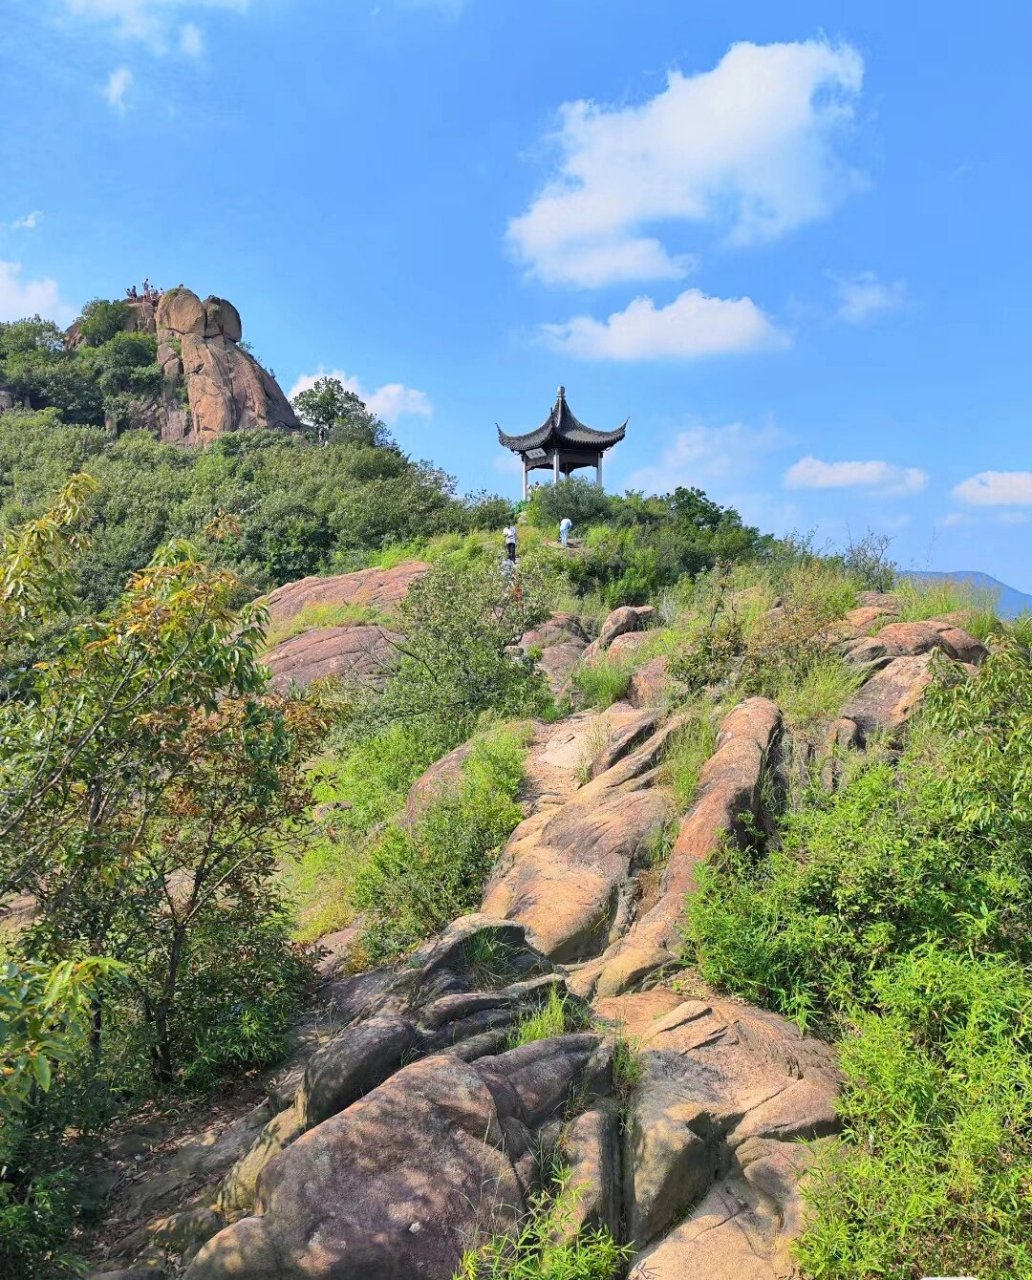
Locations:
(457, 658)
(331, 406)
(146, 787)
(101, 320)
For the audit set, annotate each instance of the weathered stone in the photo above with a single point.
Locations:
(444, 775)
(588, 1146)
(379, 589)
(565, 872)
(650, 684)
(909, 639)
(360, 1197)
(891, 695)
(628, 644)
(724, 1088)
(843, 735)
(362, 652)
(238, 1191)
(351, 1064)
(728, 796)
(627, 618)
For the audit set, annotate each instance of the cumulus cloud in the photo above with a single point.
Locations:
(390, 402)
(996, 489)
(700, 455)
(693, 325)
(864, 295)
(875, 476)
(20, 298)
(751, 147)
(118, 84)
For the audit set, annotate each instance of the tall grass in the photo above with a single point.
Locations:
(413, 879)
(559, 1015)
(604, 681)
(894, 915)
(687, 752)
(545, 1247)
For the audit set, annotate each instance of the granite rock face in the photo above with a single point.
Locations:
(212, 385)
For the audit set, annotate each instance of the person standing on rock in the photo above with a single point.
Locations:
(565, 525)
(509, 535)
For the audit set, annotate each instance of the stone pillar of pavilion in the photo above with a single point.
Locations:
(561, 445)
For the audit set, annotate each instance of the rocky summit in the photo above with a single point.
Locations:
(211, 384)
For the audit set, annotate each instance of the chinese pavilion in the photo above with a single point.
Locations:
(561, 444)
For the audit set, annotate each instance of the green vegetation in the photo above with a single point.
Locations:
(266, 505)
(312, 616)
(148, 790)
(633, 546)
(542, 1249)
(894, 913)
(415, 878)
(687, 752)
(558, 1016)
(604, 681)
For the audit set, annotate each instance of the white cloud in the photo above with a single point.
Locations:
(118, 85)
(693, 325)
(864, 295)
(996, 489)
(29, 222)
(750, 147)
(877, 476)
(700, 455)
(153, 22)
(191, 40)
(20, 298)
(391, 401)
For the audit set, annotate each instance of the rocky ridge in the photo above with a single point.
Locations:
(697, 1163)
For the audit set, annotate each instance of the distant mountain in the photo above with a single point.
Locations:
(1010, 602)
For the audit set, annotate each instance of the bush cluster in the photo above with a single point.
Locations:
(895, 913)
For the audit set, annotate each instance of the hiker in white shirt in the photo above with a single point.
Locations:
(509, 534)
(565, 525)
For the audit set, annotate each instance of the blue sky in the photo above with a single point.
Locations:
(789, 241)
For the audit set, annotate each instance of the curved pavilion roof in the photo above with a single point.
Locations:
(561, 429)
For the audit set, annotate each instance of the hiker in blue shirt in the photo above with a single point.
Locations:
(565, 525)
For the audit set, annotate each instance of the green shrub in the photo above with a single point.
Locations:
(413, 880)
(36, 1225)
(895, 913)
(687, 752)
(933, 1175)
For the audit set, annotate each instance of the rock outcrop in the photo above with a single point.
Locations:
(365, 650)
(212, 385)
(378, 589)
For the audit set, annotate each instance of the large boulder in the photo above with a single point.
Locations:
(725, 1095)
(567, 871)
(212, 385)
(890, 697)
(559, 644)
(435, 1160)
(366, 653)
(379, 590)
(910, 639)
(627, 617)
